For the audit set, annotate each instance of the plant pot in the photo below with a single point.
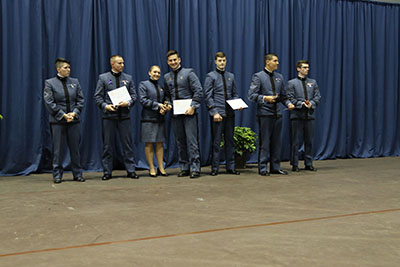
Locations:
(240, 160)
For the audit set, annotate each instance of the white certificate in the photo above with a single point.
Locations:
(181, 105)
(237, 103)
(118, 95)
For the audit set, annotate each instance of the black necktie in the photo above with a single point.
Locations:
(228, 109)
(67, 100)
(176, 84)
(116, 75)
(176, 81)
(303, 82)
(157, 91)
(271, 79)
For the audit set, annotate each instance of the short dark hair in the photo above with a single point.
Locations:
(172, 52)
(269, 56)
(301, 62)
(60, 61)
(219, 54)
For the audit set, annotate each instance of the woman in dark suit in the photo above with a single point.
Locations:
(63, 99)
(151, 96)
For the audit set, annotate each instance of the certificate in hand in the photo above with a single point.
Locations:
(237, 103)
(118, 95)
(181, 105)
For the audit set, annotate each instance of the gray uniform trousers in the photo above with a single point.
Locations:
(226, 127)
(110, 127)
(66, 134)
(270, 143)
(302, 128)
(186, 134)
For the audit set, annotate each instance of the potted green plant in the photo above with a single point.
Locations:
(245, 142)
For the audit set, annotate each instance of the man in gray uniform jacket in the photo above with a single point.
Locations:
(303, 92)
(267, 89)
(116, 118)
(220, 86)
(182, 83)
(63, 99)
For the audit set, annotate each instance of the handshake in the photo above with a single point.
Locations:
(164, 107)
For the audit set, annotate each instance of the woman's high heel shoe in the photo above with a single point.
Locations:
(160, 173)
(152, 175)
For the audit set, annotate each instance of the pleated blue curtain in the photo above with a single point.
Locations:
(353, 48)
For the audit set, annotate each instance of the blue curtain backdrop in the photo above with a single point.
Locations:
(353, 48)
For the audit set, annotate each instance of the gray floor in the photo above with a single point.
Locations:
(346, 214)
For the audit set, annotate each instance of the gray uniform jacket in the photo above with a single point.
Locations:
(261, 86)
(215, 93)
(296, 96)
(149, 98)
(106, 83)
(56, 99)
(189, 86)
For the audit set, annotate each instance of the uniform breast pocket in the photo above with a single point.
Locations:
(110, 87)
(72, 94)
(229, 82)
(170, 85)
(310, 88)
(59, 95)
(71, 90)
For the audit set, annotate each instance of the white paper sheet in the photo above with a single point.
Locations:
(181, 105)
(118, 95)
(237, 103)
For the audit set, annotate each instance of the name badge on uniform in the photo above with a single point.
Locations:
(125, 82)
(310, 84)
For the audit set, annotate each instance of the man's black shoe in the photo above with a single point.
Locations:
(310, 168)
(295, 169)
(194, 175)
(183, 173)
(57, 181)
(279, 172)
(264, 173)
(132, 175)
(106, 177)
(214, 173)
(235, 172)
(79, 179)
